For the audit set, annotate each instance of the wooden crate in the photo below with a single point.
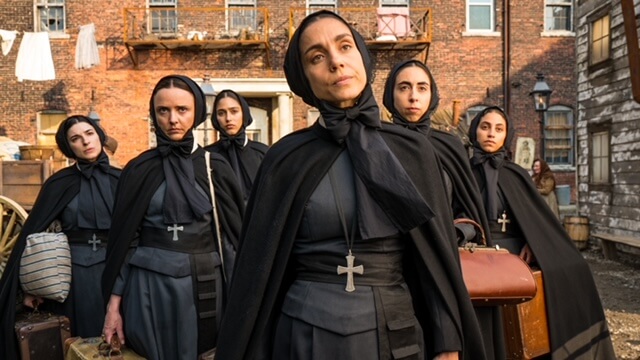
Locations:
(21, 180)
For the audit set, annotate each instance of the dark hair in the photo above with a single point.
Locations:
(63, 129)
(226, 94)
(184, 83)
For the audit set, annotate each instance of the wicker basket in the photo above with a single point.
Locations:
(40, 152)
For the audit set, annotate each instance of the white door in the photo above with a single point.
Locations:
(259, 129)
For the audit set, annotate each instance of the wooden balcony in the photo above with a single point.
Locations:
(383, 28)
(169, 28)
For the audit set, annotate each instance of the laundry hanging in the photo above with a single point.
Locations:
(34, 58)
(87, 54)
(7, 36)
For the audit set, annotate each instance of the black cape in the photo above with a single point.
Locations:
(139, 181)
(55, 194)
(249, 159)
(281, 191)
(577, 324)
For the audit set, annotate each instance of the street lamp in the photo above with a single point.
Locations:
(210, 95)
(541, 95)
(93, 115)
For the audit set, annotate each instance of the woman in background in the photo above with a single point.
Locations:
(231, 116)
(81, 198)
(546, 184)
(167, 268)
(521, 222)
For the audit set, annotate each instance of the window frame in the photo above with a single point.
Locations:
(559, 3)
(251, 5)
(593, 129)
(165, 16)
(394, 3)
(570, 124)
(46, 4)
(492, 17)
(591, 20)
(476, 109)
(51, 133)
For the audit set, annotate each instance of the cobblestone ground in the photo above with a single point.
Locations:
(619, 285)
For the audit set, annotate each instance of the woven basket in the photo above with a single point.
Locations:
(40, 152)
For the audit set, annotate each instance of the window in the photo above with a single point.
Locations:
(600, 36)
(600, 159)
(558, 136)
(396, 3)
(48, 122)
(164, 17)
(558, 15)
(242, 14)
(50, 15)
(315, 5)
(480, 15)
(472, 112)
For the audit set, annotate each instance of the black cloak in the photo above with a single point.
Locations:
(577, 323)
(466, 200)
(289, 174)
(243, 154)
(53, 197)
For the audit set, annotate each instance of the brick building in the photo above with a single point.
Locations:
(482, 52)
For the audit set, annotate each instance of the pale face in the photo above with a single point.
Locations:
(84, 141)
(175, 112)
(229, 115)
(536, 167)
(412, 93)
(492, 132)
(332, 63)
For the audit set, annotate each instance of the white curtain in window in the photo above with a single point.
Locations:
(34, 60)
(87, 54)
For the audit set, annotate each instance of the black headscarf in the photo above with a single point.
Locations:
(491, 162)
(424, 124)
(95, 191)
(383, 187)
(233, 143)
(182, 202)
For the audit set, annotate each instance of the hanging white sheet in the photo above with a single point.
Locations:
(7, 36)
(34, 58)
(87, 54)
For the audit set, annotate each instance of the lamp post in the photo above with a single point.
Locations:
(93, 115)
(210, 95)
(541, 95)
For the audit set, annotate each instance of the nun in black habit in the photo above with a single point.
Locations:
(357, 258)
(231, 116)
(411, 96)
(80, 197)
(166, 267)
(577, 324)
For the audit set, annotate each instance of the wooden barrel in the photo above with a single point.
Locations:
(578, 229)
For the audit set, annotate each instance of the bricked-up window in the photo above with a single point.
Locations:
(599, 159)
(558, 15)
(48, 122)
(558, 135)
(394, 3)
(600, 36)
(50, 15)
(242, 14)
(480, 15)
(316, 5)
(163, 21)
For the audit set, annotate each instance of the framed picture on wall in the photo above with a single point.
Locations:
(525, 150)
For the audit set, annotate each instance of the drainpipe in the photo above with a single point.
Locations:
(506, 52)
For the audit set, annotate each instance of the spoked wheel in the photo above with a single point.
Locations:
(13, 217)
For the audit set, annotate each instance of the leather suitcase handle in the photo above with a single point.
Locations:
(475, 224)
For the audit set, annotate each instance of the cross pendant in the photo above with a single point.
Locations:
(175, 228)
(349, 270)
(94, 241)
(504, 221)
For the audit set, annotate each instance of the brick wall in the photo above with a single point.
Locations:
(466, 68)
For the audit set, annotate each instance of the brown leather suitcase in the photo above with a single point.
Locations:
(525, 325)
(42, 335)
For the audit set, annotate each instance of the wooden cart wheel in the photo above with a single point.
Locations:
(13, 217)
